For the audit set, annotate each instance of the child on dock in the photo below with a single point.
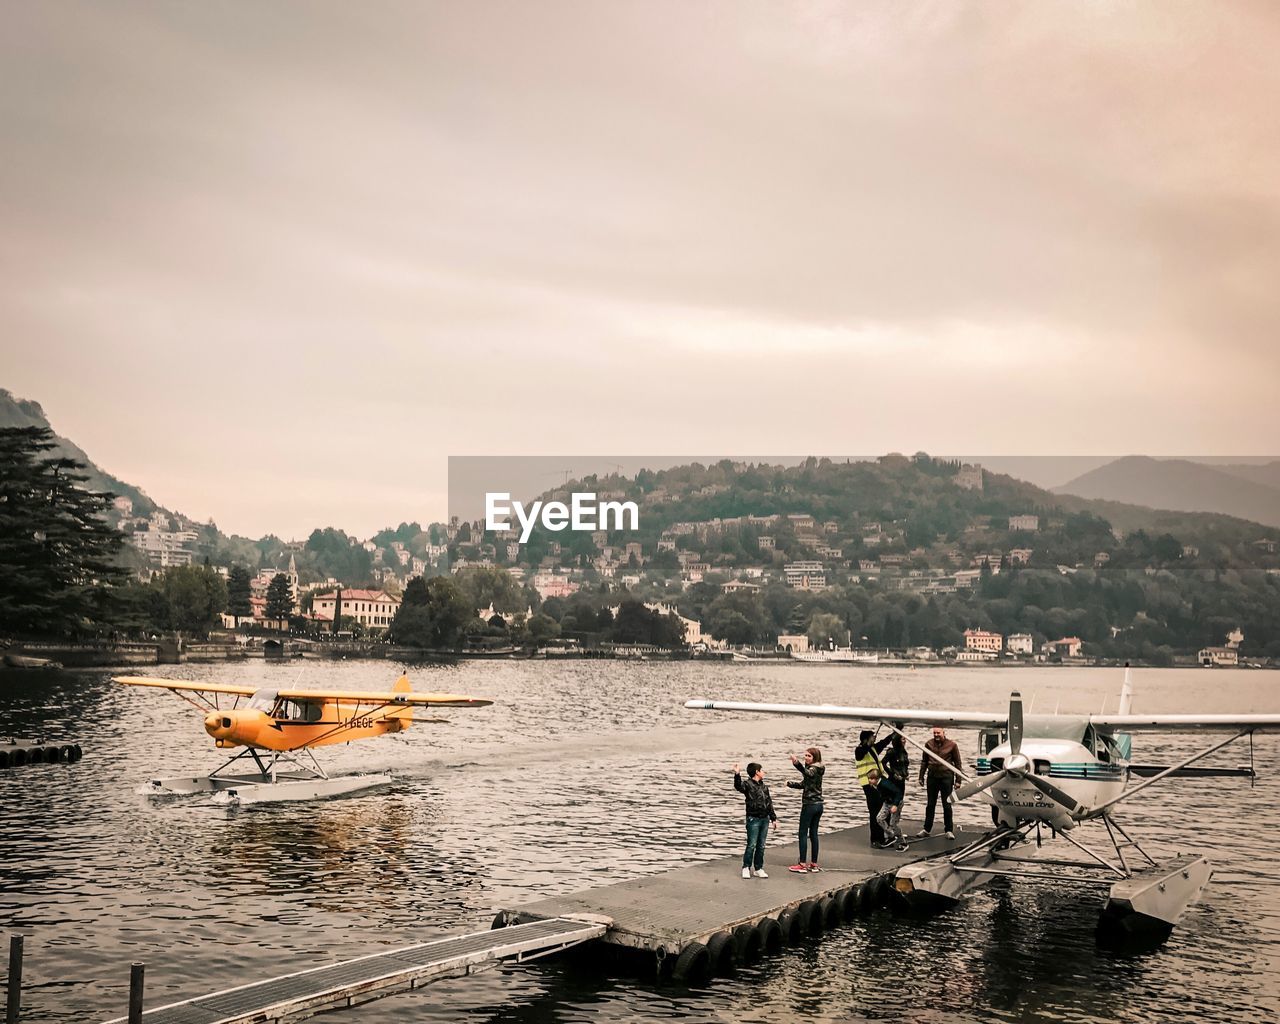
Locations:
(812, 769)
(760, 817)
(891, 795)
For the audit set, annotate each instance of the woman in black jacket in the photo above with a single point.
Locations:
(810, 805)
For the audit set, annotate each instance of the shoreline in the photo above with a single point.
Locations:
(39, 656)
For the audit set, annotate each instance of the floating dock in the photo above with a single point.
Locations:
(17, 753)
(710, 907)
(686, 924)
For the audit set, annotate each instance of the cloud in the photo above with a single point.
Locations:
(472, 228)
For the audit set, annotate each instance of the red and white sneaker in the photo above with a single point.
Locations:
(799, 869)
(814, 867)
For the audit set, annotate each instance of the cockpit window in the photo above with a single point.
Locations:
(1104, 746)
(300, 711)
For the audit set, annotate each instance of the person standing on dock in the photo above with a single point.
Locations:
(812, 768)
(941, 779)
(760, 817)
(892, 792)
(866, 758)
(897, 762)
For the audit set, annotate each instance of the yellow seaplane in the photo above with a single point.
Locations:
(277, 730)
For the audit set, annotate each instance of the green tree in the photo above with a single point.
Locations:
(432, 614)
(238, 592)
(58, 555)
(279, 597)
(193, 597)
(482, 585)
(543, 627)
(826, 629)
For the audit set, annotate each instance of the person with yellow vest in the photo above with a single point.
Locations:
(866, 759)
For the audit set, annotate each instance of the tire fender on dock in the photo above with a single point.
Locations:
(749, 943)
(848, 901)
(877, 890)
(723, 952)
(809, 918)
(771, 937)
(693, 965)
(829, 908)
(789, 927)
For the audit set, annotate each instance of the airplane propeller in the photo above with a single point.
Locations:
(1017, 766)
(1015, 723)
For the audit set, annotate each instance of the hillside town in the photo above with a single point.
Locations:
(914, 583)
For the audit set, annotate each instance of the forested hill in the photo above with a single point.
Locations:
(19, 412)
(927, 499)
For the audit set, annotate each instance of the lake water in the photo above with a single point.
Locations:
(584, 773)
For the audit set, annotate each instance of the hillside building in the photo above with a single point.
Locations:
(982, 640)
(373, 609)
(1020, 643)
(805, 575)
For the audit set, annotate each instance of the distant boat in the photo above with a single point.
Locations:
(840, 654)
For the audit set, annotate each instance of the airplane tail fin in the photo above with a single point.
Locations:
(1126, 692)
(405, 714)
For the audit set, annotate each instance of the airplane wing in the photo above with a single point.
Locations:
(177, 684)
(915, 716)
(437, 700)
(440, 700)
(1187, 723)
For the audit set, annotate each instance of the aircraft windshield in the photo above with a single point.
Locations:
(1056, 727)
(263, 700)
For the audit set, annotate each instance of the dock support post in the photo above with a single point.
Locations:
(135, 992)
(13, 1002)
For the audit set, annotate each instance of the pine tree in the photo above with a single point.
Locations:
(238, 592)
(279, 598)
(58, 555)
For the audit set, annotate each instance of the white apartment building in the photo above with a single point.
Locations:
(373, 609)
(1020, 643)
(805, 575)
(165, 548)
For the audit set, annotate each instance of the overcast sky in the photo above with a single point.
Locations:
(274, 263)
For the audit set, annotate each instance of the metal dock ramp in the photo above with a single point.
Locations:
(303, 993)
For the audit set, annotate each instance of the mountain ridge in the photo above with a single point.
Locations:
(1183, 485)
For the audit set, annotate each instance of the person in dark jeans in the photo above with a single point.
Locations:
(759, 817)
(891, 795)
(866, 759)
(941, 779)
(812, 769)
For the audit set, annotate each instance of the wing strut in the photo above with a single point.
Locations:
(1169, 771)
(926, 751)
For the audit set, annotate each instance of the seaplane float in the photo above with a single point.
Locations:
(276, 731)
(1045, 777)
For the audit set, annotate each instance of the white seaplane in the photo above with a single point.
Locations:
(1051, 774)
